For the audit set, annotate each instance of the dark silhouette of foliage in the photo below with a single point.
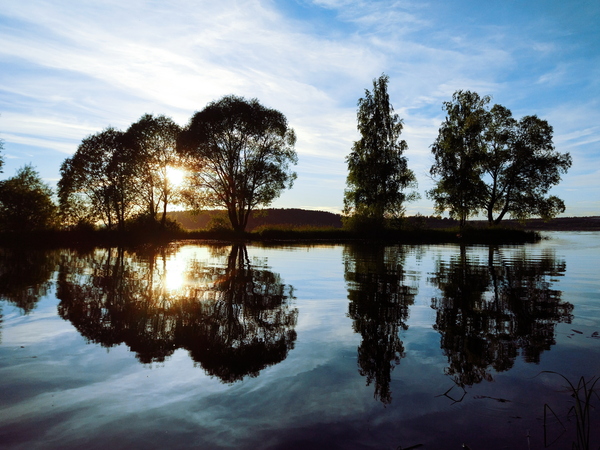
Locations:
(1, 156)
(233, 318)
(153, 141)
(25, 275)
(379, 307)
(490, 311)
(26, 203)
(487, 161)
(458, 154)
(240, 154)
(247, 327)
(98, 182)
(520, 167)
(378, 173)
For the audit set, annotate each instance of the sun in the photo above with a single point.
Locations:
(175, 175)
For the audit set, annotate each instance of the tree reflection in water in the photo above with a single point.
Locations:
(489, 311)
(235, 319)
(379, 306)
(25, 275)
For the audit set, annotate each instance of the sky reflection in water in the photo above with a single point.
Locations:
(353, 346)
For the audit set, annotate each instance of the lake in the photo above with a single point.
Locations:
(328, 346)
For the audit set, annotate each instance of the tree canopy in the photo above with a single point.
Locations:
(1, 156)
(240, 154)
(153, 141)
(458, 153)
(97, 183)
(485, 160)
(378, 173)
(26, 202)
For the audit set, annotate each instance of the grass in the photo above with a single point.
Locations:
(582, 394)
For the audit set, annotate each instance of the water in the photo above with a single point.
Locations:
(195, 346)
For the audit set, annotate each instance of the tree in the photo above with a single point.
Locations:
(485, 160)
(240, 153)
(154, 141)
(1, 156)
(98, 182)
(26, 202)
(377, 172)
(520, 167)
(458, 153)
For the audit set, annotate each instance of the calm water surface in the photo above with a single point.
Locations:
(359, 346)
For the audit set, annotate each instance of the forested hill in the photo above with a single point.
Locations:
(292, 217)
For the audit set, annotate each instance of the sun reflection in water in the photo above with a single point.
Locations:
(177, 279)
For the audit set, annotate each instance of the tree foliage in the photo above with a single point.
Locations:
(458, 156)
(240, 154)
(520, 168)
(26, 202)
(98, 183)
(485, 160)
(378, 173)
(153, 141)
(1, 156)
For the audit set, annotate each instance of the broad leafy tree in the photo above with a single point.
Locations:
(154, 140)
(458, 155)
(520, 167)
(240, 154)
(487, 161)
(98, 182)
(26, 202)
(378, 174)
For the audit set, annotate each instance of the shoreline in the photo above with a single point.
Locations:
(269, 236)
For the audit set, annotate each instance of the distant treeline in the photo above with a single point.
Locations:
(290, 217)
(298, 218)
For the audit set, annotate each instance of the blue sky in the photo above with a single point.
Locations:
(70, 69)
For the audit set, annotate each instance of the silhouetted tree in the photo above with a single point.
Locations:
(378, 173)
(379, 307)
(486, 160)
(98, 182)
(26, 202)
(520, 167)
(154, 141)
(459, 153)
(240, 154)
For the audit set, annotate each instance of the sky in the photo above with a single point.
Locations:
(70, 69)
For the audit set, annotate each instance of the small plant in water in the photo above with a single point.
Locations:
(582, 394)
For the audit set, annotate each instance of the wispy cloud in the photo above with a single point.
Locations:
(72, 69)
